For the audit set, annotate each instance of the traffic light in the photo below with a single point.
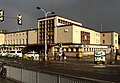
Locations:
(19, 19)
(1, 15)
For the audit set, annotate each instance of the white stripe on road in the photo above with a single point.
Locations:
(103, 66)
(97, 80)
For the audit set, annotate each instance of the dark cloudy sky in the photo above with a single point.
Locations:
(92, 13)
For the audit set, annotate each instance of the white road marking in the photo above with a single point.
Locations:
(97, 80)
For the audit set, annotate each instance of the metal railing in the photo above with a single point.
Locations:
(30, 76)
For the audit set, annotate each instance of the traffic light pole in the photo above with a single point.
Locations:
(19, 17)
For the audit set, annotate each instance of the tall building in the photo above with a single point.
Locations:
(74, 36)
(71, 35)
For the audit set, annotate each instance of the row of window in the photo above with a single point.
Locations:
(64, 22)
(104, 35)
(17, 41)
(48, 29)
(20, 34)
(49, 42)
(115, 42)
(77, 49)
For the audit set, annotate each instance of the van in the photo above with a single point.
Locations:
(19, 53)
(15, 53)
(11, 54)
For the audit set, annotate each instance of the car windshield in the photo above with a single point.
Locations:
(19, 52)
(32, 53)
(4, 51)
(12, 51)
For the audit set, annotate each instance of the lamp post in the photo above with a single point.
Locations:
(46, 14)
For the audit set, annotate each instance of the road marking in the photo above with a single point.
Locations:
(113, 65)
(100, 65)
(96, 80)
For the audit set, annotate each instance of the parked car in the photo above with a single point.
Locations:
(15, 53)
(0, 54)
(11, 54)
(4, 53)
(31, 56)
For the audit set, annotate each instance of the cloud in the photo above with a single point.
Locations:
(90, 12)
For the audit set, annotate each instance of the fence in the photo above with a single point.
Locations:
(29, 76)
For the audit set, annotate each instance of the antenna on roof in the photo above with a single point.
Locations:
(101, 26)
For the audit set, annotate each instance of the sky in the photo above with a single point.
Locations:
(93, 14)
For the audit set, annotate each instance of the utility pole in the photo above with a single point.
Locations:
(46, 14)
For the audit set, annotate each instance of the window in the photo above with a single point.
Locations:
(23, 41)
(16, 41)
(85, 37)
(19, 41)
(13, 41)
(115, 41)
(103, 35)
(115, 35)
(103, 41)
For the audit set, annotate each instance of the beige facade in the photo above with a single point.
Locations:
(72, 34)
(21, 39)
(110, 38)
(32, 36)
(16, 38)
(2, 38)
(74, 37)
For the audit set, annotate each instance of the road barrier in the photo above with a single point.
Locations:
(30, 76)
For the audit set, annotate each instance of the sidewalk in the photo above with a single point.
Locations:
(90, 60)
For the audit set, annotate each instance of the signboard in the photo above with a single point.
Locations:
(99, 56)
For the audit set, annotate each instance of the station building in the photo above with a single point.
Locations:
(75, 38)
(72, 35)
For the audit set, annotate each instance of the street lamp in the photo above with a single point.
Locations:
(46, 14)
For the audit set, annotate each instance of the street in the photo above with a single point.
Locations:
(5, 81)
(79, 68)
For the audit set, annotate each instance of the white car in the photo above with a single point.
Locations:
(15, 53)
(3, 53)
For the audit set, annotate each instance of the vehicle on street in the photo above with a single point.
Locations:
(15, 53)
(31, 56)
(0, 54)
(4, 53)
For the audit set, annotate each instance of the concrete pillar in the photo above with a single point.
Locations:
(74, 49)
(64, 49)
(69, 49)
(52, 53)
(80, 52)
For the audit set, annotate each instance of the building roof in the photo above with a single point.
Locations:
(77, 25)
(22, 30)
(107, 31)
(58, 16)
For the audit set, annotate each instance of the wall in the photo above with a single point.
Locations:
(111, 38)
(94, 36)
(16, 38)
(64, 34)
(32, 37)
(2, 39)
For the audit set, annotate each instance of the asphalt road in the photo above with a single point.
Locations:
(6, 81)
(85, 69)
